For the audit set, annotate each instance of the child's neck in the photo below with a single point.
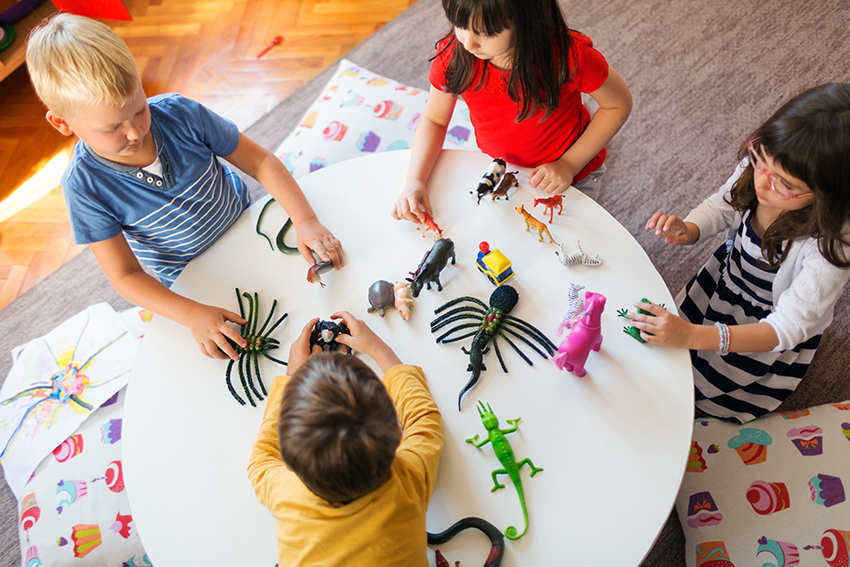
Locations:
(763, 217)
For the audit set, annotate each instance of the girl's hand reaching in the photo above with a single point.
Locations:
(662, 327)
(674, 229)
(552, 177)
(413, 203)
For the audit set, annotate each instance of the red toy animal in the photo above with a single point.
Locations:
(432, 226)
(551, 203)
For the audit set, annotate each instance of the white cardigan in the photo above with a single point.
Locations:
(806, 286)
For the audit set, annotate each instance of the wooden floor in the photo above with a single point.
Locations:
(204, 49)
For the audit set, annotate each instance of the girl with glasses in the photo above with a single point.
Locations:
(754, 314)
(521, 72)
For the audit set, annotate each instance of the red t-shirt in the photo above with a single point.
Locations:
(530, 143)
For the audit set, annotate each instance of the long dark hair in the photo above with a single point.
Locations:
(809, 137)
(540, 62)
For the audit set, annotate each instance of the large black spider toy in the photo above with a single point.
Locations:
(259, 343)
(489, 322)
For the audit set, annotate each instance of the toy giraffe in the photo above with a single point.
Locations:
(531, 222)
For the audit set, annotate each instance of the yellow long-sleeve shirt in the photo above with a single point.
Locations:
(386, 527)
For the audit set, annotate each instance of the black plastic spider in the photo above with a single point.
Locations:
(489, 321)
(259, 343)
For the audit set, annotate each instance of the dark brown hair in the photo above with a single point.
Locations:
(809, 137)
(338, 427)
(541, 60)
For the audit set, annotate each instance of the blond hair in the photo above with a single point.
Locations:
(76, 62)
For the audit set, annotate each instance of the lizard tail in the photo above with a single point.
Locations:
(511, 532)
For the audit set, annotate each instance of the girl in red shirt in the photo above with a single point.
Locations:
(521, 72)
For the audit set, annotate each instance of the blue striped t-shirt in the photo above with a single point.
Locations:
(170, 218)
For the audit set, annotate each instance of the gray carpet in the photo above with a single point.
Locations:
(703, 74)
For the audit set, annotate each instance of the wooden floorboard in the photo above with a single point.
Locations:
(203, 49)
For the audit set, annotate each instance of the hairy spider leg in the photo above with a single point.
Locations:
(499, 356)
(514, 332)
(269, 318)
(249, 357)
(461, 309)
(478, 317)
(550, 346)
(442, 338)
(458, 300)
(516, 348)
(242, 379)
(441, 320)
(230, 384)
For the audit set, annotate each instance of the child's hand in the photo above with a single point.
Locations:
(674, 229)
(363, 339)
(312, 235)
(413, 203)
(209, 327)
(664, 328)
(300, 351)
(553, 177)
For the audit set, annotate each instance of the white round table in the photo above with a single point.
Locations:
(613, 444)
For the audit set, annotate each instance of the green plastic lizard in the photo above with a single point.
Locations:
(503, 450)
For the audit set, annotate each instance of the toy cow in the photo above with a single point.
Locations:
(507, 181)
(489, 180)
(431, 265)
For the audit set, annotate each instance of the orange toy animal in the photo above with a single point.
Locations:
(531, 222)
(551, 203)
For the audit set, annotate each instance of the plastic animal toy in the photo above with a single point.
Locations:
(431, 265)
(381, 296)
(430, 225)
(531, 222)
(508, 180)
(497, 540)
(489, 180)
(578, 258)
(503, 450)
(493, 264)
(489, 321)
(586, 335)
(631, 329)
(403, 299)
(325, 333)
(574, 307)
(550, 203)
(315, 271)
(259, 343)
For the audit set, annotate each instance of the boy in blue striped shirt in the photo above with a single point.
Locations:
(145, 184)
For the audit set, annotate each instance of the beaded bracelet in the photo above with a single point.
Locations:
(724, 338)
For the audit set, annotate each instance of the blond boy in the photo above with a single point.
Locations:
(145, 182)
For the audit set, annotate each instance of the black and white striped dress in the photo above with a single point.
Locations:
(732, 288)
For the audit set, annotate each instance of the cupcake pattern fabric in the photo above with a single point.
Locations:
(75, 511)
(360, 112)
(770, 494)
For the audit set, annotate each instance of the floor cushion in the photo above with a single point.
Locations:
(771, 492)
(361, 112)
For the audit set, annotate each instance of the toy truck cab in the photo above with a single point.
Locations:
(494, 264)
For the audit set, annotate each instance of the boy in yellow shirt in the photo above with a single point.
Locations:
(345, 461)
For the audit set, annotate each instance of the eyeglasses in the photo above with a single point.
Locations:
(779, 187)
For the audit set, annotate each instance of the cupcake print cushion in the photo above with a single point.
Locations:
(772, 493)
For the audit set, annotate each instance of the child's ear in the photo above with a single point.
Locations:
(59, 123)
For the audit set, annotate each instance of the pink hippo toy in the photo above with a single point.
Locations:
(586, 334)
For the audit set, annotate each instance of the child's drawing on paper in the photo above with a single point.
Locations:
(56, 382)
